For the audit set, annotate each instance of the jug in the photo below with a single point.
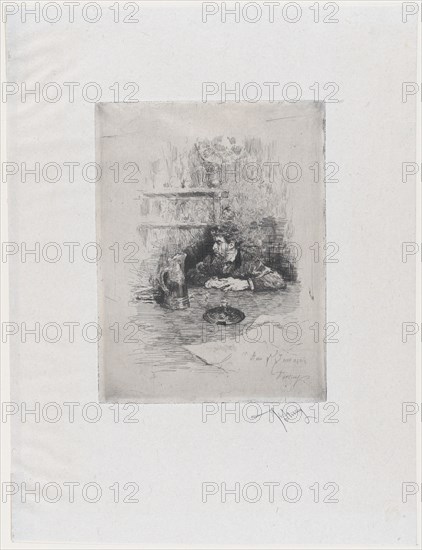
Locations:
(173, 283)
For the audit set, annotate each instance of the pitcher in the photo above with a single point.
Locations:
(173, 283)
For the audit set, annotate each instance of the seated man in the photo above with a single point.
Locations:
(231, 268)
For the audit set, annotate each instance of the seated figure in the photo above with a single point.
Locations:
(231, 268)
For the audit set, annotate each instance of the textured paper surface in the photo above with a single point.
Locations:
(171, 452)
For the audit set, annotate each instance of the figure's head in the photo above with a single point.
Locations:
(226, 240)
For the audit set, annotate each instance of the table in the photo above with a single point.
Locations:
(164, 332)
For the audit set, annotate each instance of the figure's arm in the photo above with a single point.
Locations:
(254, 275)
(261, 277)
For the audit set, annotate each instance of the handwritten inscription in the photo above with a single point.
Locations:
(288, 416)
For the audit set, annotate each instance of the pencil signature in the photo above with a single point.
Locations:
(286, 416)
